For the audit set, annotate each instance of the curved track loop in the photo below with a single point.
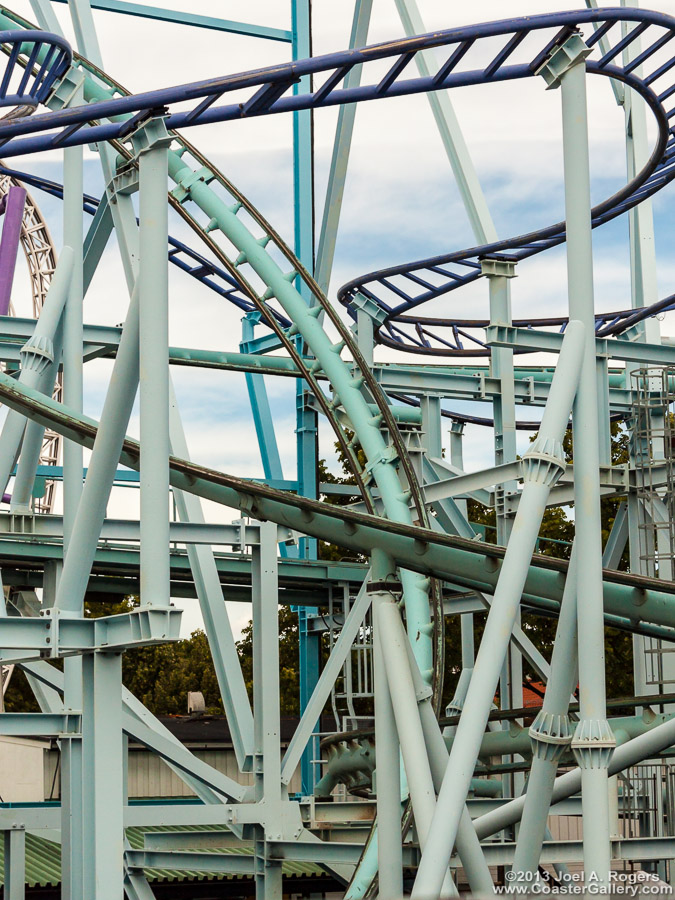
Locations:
(36, 60)
(185, 258)
(254, 255)
(400, 290)
(40, 254)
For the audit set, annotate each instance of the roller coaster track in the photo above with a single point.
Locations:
(251, 257)
(402, 289)
(256, 258)
(180, 254)
(629, 599)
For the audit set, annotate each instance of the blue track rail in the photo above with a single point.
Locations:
(180, 255)
(269, 90)
(36, 61)
(401, 290)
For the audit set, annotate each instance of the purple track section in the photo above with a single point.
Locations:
(12, 205)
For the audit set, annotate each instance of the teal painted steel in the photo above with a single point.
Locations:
(178, 17)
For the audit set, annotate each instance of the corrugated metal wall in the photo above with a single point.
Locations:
(149, 776)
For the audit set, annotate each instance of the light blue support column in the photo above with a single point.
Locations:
(31, 446)
(122, 210)
(644, 292)
(368, 315)
(430, 407)
(303, 141)
(260, 409)
(15, 864)
(388, 766)
(103, 775)
(214, 612)
(153, 304)
(551, 735)
(303, 211)
(393, 646)
(593, 741)
(499, 273)
(72, 822)
(466, 619)
(36, 356)
(408, 725)
(102, 467)
(73, 189)
(266, 705)
(309, 651)
(72, 846)
(450, 132)
(306, 417)
(543, 465)
(72, 787)
(468, 845)
(45, 16)
(644, 286)
(337, 174)
(266, 697)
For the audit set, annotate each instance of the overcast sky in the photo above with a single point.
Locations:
(400, 203)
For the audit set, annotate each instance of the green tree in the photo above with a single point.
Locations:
(288, 660)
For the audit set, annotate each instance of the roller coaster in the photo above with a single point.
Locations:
(403, 794)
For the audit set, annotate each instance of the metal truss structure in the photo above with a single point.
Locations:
(433, 786)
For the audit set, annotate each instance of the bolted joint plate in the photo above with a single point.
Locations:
(387, 457)
(153, 623)
(370, 308)
(544, 462)
(181, 192)
(125, 181)
(562, 58)
(498, 267)
(593, 744)
(550, 735)
(150, 135)
(67, 89)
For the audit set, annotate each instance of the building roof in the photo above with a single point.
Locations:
(215, 730)
(43, 860)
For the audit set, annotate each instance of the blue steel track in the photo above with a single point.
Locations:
(401, 290)
(180, 254)
(26, 86)
(267, 89)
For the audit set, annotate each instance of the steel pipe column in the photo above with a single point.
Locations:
(153, 283)
(103, 464)
(393, 641)
(550, 735)
(469, 849)
(543, 466)
(37, 354)
(266, 707)
(103, 775)
(387, 773)
(73, 329)
(593, 739)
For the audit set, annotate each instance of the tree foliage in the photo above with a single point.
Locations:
(288, 660)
